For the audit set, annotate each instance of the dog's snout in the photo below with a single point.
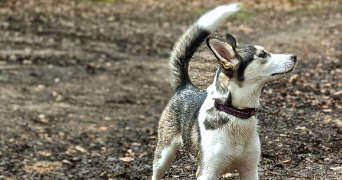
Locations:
(294, 58)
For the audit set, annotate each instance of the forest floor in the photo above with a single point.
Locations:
(83, 84)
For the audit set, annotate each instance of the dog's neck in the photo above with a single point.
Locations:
(243, 96)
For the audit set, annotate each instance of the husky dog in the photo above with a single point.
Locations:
(217, 126)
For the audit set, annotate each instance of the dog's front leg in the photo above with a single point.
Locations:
(250, 174)
(206, 173)
(209, 176)
(249, 169)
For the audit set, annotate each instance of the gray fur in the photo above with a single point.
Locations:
(182, 53)
(180, 117)
(188, 103)
(246, 56)
(216, 120)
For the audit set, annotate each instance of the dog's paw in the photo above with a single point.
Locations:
(212, 19)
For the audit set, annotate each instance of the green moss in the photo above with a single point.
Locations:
(295, 1)
(311, 12)
(200, 11)
(244, 14)
(111, 1)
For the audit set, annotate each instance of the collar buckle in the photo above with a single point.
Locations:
(216, 104)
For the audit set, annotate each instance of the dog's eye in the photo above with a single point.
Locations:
(263, 54)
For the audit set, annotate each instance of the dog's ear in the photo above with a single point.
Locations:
(224, 52)
(231, 40)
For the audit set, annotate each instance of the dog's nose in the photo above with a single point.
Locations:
(294, 58)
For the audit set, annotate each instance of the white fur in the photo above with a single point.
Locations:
(280, 63)
(234, 146)
(259, 47)
(211, 20)
(246, 96)
(258, 73)
(167, 155)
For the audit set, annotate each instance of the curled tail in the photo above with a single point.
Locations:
(192, 39)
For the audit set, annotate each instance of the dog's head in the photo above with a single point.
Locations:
(248, 68)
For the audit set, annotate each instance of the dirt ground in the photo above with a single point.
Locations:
(83, 84)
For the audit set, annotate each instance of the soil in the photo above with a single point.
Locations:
(83, 84)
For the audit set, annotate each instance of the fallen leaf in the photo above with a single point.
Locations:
(67, 162)
(293, 77)
(41, 116)
(41, 167)
(44, 120)
(339, 169)
(130, 151)
(136, 144)
(338, 92)
(59, 98)
(327, 119)
(301, 128)
(327, 110)
(142, 154)
(126, 159)
(44, 153)
(81, 149)
(287, 160)
(152, 137)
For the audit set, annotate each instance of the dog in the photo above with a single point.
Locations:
(217, 126)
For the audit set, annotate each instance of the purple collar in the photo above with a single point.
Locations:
(244, 114)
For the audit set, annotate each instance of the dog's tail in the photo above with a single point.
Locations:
(192, 39)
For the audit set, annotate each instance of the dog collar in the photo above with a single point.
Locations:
(244, 114)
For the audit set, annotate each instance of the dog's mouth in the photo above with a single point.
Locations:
(283, 73)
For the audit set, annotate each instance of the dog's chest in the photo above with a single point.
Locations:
(225, 139)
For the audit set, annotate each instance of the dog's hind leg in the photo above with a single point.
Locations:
(198, 173)
(169, 141)
(163, 159)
